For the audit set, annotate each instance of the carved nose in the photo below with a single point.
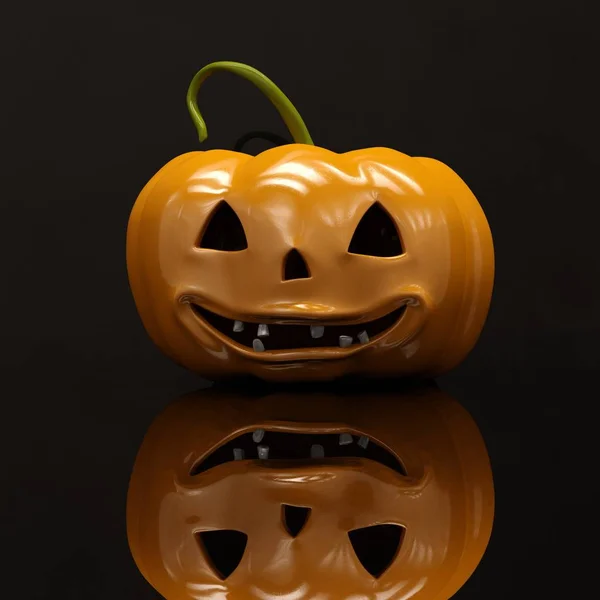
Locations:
(294, 266)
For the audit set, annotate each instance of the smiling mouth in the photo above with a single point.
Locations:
(263, 337)
(267, 446)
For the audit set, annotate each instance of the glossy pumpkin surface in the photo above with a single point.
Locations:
(304, 264)
(301, 263)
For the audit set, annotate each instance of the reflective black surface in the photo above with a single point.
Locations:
(72, 438)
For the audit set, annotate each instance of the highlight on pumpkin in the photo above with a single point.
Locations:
(282, 103)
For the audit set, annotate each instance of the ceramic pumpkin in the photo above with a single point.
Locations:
(382, 496)
(301, 263)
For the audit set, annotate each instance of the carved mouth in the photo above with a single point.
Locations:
(272, 446)
(291, 336)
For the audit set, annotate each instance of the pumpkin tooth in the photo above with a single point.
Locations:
(238, 454)
(317, 331)
(345, 341)
(345, 439)
(238, 326)
(363, 337)
(317, 451)
(363, 442)
(263, 452)
(258, 346)
(258, 435)
(263, 330)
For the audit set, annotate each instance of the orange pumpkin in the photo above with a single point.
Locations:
(301, 263)
(311, 495)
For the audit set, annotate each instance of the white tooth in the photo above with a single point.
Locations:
(238, 454)
(317, 451)
(363, 337)
(363, 441)
(258, 345)
(258, 435)
(263, 330)
(345, 341)
(345, 439)
(238, 326)
(317, 331)
(263, 452)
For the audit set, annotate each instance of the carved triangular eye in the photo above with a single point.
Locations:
(376, 546)
(224, 231)
(376, 234)
(223, 549)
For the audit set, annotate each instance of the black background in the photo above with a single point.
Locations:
(93, 104)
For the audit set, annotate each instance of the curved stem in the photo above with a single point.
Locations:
(282, 103)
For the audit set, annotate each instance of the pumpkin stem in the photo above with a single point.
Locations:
(282, 103)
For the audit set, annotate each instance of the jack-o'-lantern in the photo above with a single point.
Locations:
(304, 264)
(303, 495)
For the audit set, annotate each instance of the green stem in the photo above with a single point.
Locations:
(282, 103)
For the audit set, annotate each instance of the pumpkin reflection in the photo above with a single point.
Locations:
(339, 494)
